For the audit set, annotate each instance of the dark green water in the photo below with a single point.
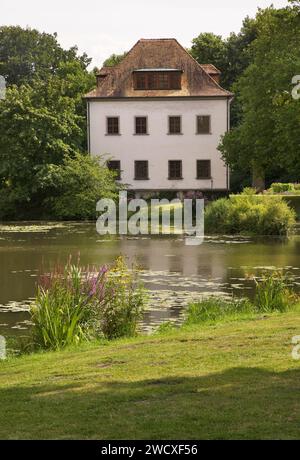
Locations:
(174, 273)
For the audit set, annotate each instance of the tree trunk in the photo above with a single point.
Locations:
(258, 178)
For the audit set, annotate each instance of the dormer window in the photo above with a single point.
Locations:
(157, 79)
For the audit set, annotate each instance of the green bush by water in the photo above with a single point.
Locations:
(249, 214)
(293, 202)
(289, 192)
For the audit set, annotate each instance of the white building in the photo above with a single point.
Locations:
(158, 117)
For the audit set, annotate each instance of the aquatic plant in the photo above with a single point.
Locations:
(273, 292)
(215, 309)
(75, 304)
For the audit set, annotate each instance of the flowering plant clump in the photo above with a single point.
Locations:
(75, 304)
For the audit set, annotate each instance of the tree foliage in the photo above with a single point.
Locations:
(43, 130)
(42, 172)
(268, 138)
(37, 126)
(231, 56)
(209, 48)
(26, 54)
(73, 188)
(114, 59)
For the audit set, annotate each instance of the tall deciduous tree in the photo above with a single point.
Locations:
(231, 56)
(42, 119)
(42, 172)
(209, 48)
(268, 138)
(37, 126)
(26, 54)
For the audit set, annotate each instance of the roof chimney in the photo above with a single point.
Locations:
(102, 75)
(212, 71)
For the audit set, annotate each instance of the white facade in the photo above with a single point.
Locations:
(157, 146)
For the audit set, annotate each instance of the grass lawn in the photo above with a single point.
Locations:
(232, 380)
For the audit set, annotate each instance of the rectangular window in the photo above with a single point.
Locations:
(163, 81)
(203, 124)
(175, 80)
(141, 170)
(112, 125)
(140, 81)
(154, 80)
(175, 169)
(174, 125)
(115, 165)
(140, 125)
(151, 80)
(203, 169)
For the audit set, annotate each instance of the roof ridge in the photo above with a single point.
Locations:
(156, 39)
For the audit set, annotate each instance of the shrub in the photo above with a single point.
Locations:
(216, 216)
(294, 202)
(73, 188)
(74, 304)
(249, 191)
(249, 214)
(278, 187)
(273, 293)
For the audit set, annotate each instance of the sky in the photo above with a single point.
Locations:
(103, 27)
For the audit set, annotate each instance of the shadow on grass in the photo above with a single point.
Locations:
(241, 403)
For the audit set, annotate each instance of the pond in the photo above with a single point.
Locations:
(173, 272)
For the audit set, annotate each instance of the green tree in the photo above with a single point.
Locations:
(42, 171)
(114, 59)
(38, 126)
(238, 55)
(209, 48)
(72, 189)
(268, 139)
(26, 54)
(231, 56)
(73, 82)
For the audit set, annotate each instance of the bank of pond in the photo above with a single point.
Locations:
(76, 304)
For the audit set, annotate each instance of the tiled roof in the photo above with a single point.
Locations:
(117, 82)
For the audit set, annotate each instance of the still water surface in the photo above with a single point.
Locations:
(173, 272)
